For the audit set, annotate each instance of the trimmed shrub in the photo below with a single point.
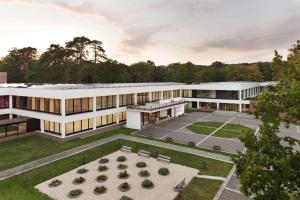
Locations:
(78, 180)
(124, 187)
(164, 171)
(217, 148)
(204, 165)
(121, 159)
(103, 160)
(82, 171)
(102, 168)
(100, 190)
(192, 144)
(123, 175)
(126, 198)
(154, 154)
(147, 184)
(55, 183)
(75, 193)
(101, 178)
(122, 166)
(144, 173)
(169, 139)
(141, 164)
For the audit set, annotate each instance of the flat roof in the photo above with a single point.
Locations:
(84, 86)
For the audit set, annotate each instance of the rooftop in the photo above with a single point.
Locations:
(83, 86)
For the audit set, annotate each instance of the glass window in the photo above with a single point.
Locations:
(109, 119)
(91, 104)
(85, 124)
(52, 129)
(91, 120)
(46, 125)
(110, 102)
(104, 120)
(51, 105)
(77, 105)
(98, 102)
(85, 104)
(57, 106)
(104, 102)
(98, 121)
(57, 127)
(69, 128)
(69, 106)
(77, 126)
(42, 104)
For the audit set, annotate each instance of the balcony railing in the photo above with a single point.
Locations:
(151, 107)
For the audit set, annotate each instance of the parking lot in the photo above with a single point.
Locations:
(176, 129)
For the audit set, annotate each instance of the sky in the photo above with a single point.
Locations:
(164, 31)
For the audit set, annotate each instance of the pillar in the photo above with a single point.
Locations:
(135, 99)
(10, 104)
(161, 95)
(94, 113)
(172, 94)
(180, 93)
(42, 126)
(218, 106)
(63, 129)
(63, 115)
(150, 96)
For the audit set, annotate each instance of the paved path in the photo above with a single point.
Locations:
(52, 158)
(211, 177)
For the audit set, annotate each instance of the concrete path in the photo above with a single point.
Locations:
(219, 178)
(52, 158)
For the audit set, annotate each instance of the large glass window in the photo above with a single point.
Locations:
(79, 105)
(156, 96)
(187, 93)
(176, 93)
(126, 99)
(105, 120)
(37, 104)
(79, 126)
(122, 116)
(167, 94)
(105, 102)
(52, 127)
(143, 98)
(4, 102)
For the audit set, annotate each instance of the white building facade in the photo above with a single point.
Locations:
(64, 110)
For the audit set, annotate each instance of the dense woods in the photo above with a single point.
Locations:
(84, 61)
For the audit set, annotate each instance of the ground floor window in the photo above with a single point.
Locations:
(229, 107)
(79, 126)
(52, 127)
(13, 129)
(122, 116)
(106, 120)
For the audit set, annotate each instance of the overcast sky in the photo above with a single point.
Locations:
(164, 31)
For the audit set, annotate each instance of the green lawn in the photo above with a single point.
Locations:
(15, 188)
(209, 124)
(201, 129)
(200, 189)
(17, 152)
(232, 131)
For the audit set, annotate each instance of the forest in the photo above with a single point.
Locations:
(83, 60)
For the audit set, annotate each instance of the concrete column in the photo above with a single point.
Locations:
(180, 93)
(10, 104)
(172, 94)
(135, 99)
(63, 129)
(198, 104)
(161, 95)
(63, 114)
(117, 118)
(94, 112)
(42, 126)
(240, 107)
(150, 96)
(218, 106)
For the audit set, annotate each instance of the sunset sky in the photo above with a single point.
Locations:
(164, 31)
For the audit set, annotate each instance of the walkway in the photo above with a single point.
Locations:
(52, 158)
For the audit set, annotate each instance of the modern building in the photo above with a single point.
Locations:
(63, 110)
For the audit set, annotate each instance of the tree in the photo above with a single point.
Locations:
(218, 64)
(79, 47)
(270, 167)
(17, 63)
(98, 51)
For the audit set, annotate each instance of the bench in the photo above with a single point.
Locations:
(163, 158)
(180, 186)
(144, 153)
(126, 148)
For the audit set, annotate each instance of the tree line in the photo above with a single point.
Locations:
(83, 60)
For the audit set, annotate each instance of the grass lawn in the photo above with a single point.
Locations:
(210, 124)
(15, 187)
(232, 131)
(200, 189)
(20, 151)
(201, 129)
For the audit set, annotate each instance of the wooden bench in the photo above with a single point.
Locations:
(180, 186)
(126, 148)
(144, 153)
(163, 158)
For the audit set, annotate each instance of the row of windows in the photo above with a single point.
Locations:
(79, 126)
(106, 102)
(143, 98)
(155, 96)
(122, 116)
(167, 94)
(37, 104)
